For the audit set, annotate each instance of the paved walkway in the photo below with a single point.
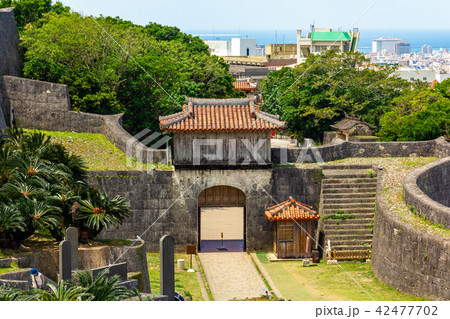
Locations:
(231, 275)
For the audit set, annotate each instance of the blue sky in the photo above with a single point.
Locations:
(270, 14)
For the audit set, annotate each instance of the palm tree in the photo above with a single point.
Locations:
(103, 288)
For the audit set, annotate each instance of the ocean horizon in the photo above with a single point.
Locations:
(437, 38)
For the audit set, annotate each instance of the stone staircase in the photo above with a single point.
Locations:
(348, 191)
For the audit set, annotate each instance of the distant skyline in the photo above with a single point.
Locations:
(272, 15)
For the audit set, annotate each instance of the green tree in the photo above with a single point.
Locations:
(317, 93)
(30, 11)
(114, 66)
(417, 115)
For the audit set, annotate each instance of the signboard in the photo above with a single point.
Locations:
(191, 249)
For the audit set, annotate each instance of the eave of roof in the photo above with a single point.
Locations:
(227, 115)
(291, 210)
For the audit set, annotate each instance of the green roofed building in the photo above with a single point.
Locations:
(320, 40)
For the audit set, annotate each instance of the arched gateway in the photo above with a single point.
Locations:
(221, 214)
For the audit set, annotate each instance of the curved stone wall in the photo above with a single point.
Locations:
(407, 259)
(438, 147)
(46, 106)
(427, 189)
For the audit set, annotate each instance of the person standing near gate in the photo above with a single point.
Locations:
(37, 279)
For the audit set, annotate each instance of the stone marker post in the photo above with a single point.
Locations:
(167, 266)
(72, 237)
(65, 262)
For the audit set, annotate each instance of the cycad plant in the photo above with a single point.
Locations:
(64, 291)
(41, 180)
(99, 212)
(11, 221)
(103, 288)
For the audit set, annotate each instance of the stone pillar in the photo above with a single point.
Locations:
(167, 266)
(72, 237)
(65, 262)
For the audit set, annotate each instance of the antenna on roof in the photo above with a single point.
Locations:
(312, 26)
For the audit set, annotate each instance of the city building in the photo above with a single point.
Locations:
(402, 47)
(219, 48)
(384, 46)
(235, 47)
(320, 40)
(281, 51)
(427, 49)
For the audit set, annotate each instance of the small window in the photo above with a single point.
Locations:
(286, 232)
(424, 78)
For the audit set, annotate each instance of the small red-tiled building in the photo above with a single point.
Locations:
(245, 86)
(221, 132)
(294, 226)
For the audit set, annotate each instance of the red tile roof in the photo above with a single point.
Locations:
(224, 115)
(291, 210)
(243, 86)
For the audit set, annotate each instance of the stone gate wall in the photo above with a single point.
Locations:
(165, 202)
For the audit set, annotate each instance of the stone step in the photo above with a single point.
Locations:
(357, 217)
(349, 195)
(348, 237)
(349, 175)
(352, 222)
(350, 228)
(348, 180)
(347, 166)
(345, 206)
(327, 212)
(355, 200)
(349, 185)
(349, 190)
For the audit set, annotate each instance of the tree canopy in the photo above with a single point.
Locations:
(30, 11)
(114, 66)
(317, 93)
(418, 114)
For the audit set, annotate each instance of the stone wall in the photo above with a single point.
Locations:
(165, 202)
(438, 147)
(46, 106)
(407, 259)
(46, 261)
(10, 56)
(427, 189)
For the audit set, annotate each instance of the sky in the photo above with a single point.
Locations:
(274, 15)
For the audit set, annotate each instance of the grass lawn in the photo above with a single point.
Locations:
(9, 269)
(328, 282)
(98, 153)
(184, 281)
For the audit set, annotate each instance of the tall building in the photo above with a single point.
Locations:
(384, 45)
(235, 47)
(320, 40)
(427, 49)
(402, 47)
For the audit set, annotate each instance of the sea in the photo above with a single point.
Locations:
(436, 38)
